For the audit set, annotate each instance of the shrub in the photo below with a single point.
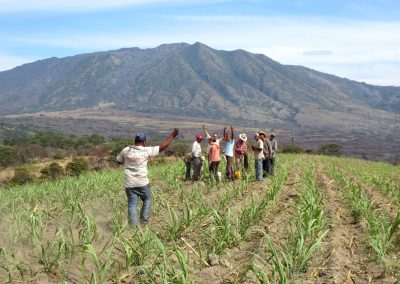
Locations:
(59, 155)
(52, 171)
(179, 148)
(292, 149)
(22, 175)
(77, 166)
(8, 156)
(330, 149)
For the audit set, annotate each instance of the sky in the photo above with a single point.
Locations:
(354, 39)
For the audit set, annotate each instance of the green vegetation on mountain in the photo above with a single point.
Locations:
(198, 81)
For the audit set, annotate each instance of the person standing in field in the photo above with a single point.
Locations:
(240, 151)
(258, 156)
(267, 153)
(188, 159)
(137, 185)
(214, 158)
(274, 147)
(230, 143)
(197, 157)
(214, 138)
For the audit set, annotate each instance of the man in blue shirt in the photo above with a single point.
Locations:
(229, 153)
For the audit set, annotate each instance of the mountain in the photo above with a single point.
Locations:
(198, 81)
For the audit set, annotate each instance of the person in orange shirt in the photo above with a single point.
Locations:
(214, 157)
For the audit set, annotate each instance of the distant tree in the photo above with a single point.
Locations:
(330, 149)
(179, 148)
(292, 149)
(22, 175)
(116, 148)
(99, 155)
(8, 156)
(52, 171)
(77, 166)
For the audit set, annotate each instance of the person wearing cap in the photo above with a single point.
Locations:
(258, 156)
(274, 147)
(197, 157)
(267, 153)
(134, 158)
(240, 151)
(229, 152)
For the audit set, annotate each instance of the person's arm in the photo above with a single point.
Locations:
(232, 133)
(120, 158)
(205, 132)
(224, 132)
(168, 141)
(257, 147)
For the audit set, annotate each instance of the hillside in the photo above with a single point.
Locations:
(198, 81)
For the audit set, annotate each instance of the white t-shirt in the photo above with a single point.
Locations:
(135, 159)
(196, 149)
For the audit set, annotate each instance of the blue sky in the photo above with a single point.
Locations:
(354, 39)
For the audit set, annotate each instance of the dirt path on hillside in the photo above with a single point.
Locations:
(345, 259)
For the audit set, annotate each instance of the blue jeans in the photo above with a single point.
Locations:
(144, 193)
(259, 169)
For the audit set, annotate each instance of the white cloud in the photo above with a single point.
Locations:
(82, 5)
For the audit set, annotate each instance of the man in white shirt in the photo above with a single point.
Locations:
(274, 147)
(258, 156)
(230, 142)
(134, 158)
(197, 157)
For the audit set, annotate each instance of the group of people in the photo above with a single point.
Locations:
(134, 158)
(236, 155)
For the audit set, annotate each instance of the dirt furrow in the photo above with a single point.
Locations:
(345, 258)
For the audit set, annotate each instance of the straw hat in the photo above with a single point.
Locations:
(243, 137)
(262, 133)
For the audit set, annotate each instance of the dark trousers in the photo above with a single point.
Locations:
(272, 162)
(229, 168)
(246, 162)
(188, 169)
(266, 164)
(214, 170)
(197, 164)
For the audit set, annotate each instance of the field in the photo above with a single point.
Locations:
(318, 220)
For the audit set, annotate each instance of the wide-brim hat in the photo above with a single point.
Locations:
(262, 133)
(243, 137)
(272, 134)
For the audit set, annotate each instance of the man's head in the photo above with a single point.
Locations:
(262, 134)
(227, 138)
(256, 136)
(272, 136)
(215, 136)
(140, 139)
(199, 138)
